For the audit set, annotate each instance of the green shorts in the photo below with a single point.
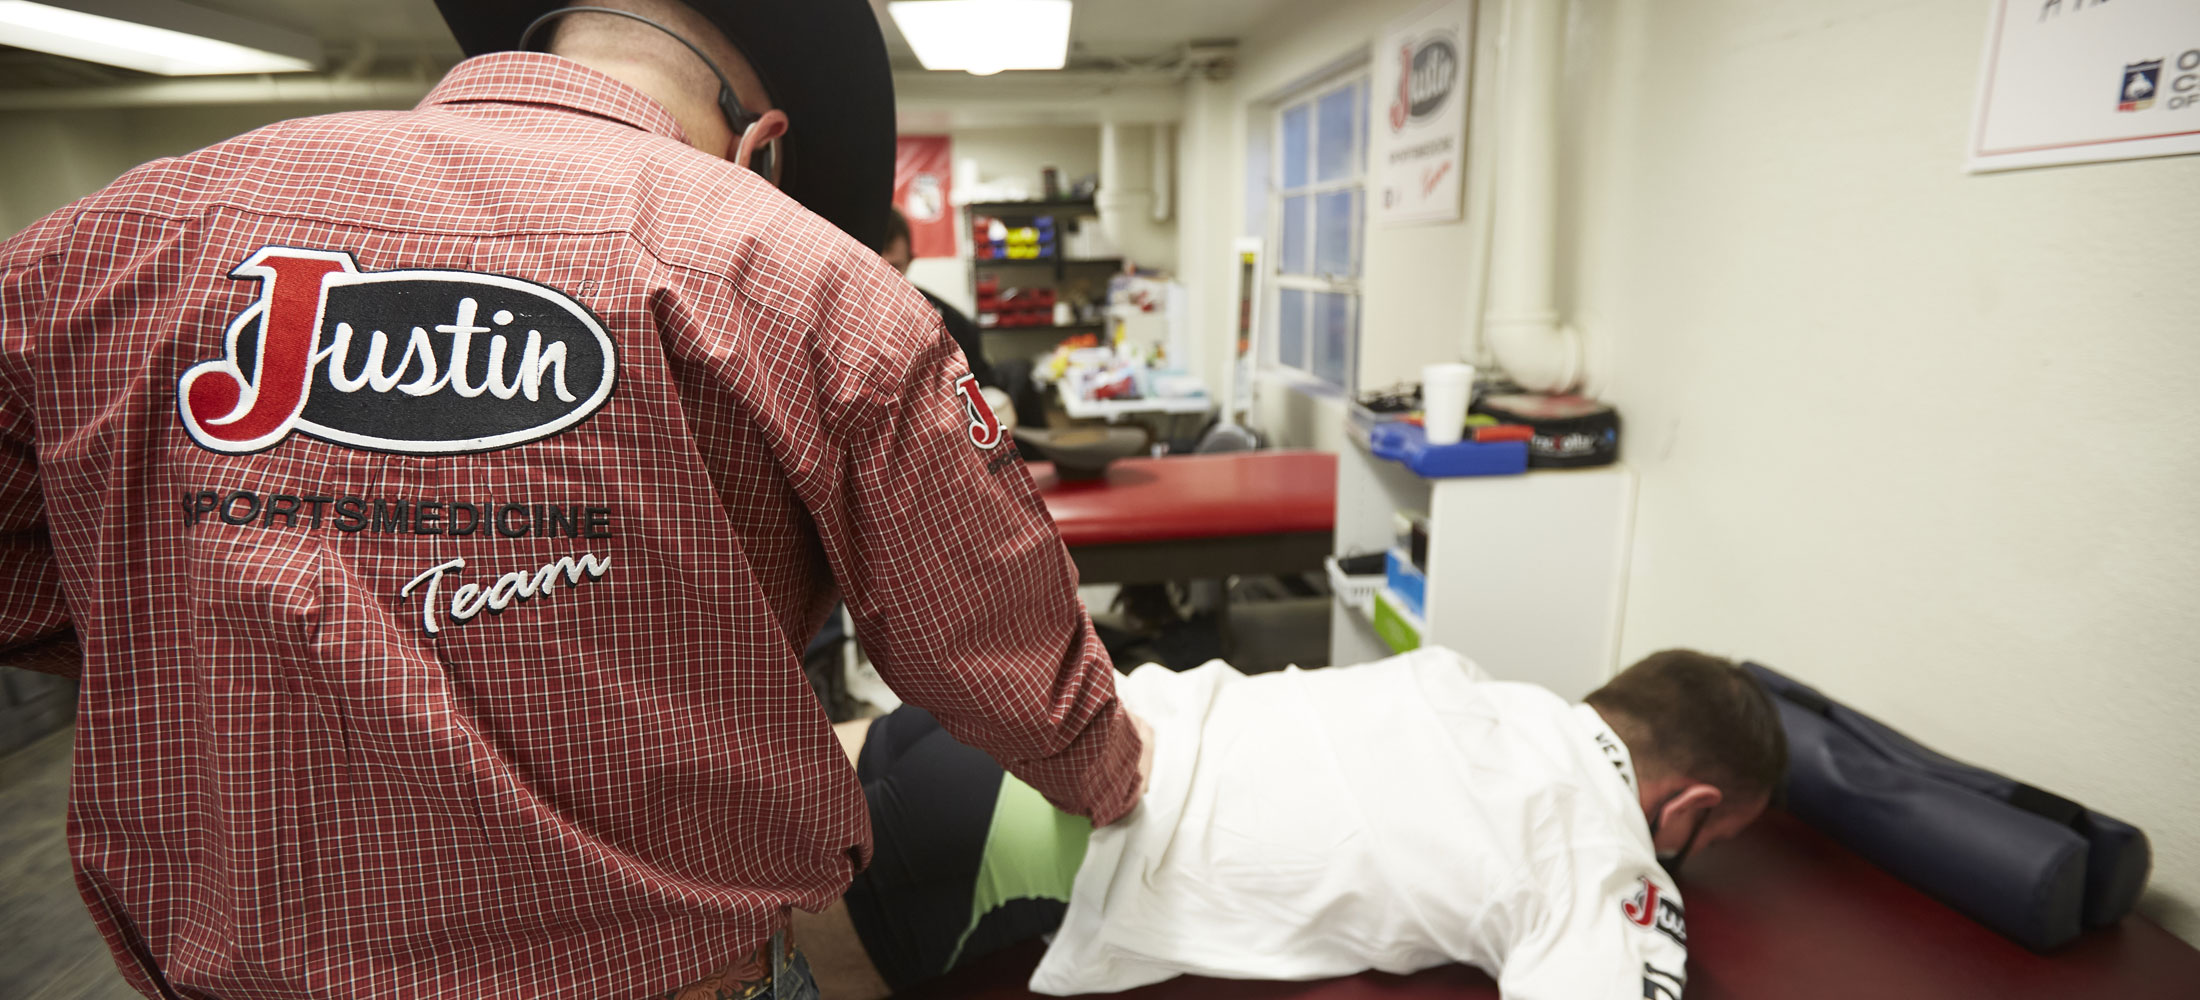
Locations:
(966, 860)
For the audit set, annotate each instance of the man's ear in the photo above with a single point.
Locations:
(771, 126)
(746, 145)
(1698, 798)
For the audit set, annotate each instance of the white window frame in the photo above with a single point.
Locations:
(1347, 285)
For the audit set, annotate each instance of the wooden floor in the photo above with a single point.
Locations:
(52, 950)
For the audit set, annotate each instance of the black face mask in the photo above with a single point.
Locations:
(1672, 862)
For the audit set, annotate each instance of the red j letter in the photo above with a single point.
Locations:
(224, 412)
(985, 428)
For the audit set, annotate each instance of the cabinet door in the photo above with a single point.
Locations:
(1526, 573)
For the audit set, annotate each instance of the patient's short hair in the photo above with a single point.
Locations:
(897, 227)
(1699, 716)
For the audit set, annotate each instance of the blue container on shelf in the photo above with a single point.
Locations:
(1408, 584)
(1407, 444)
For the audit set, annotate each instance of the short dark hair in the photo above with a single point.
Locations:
(897, 227)
(1686, 713)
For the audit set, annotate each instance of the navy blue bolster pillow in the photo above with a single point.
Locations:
(2029, 864)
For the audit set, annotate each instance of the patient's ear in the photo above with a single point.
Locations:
(1687, 808)
(1697, 798)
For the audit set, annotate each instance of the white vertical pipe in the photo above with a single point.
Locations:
(1521, 321)
(1206, 196)
(1164, 171)
(1125, 199)
(1111, 157)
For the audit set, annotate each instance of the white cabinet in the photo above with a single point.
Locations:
(1526, 574)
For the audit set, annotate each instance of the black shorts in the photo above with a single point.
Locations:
(932, 808)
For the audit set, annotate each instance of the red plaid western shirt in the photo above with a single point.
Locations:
(443, 499)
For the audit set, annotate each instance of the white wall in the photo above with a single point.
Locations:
(1020, 153)
(52, 157)
(1211, 194)
(1917, 437)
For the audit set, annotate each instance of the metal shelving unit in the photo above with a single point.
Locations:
(1026, 272)
(1060, 206)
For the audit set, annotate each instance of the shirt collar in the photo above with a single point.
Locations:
(1610, 748)
(555, 81)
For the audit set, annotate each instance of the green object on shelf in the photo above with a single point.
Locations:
(1397, 629)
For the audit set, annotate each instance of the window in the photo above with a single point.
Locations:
(1316, 202)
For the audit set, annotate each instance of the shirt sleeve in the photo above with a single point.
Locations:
(967, 336)
(1616, 931)
(959, 585)
(34, 618)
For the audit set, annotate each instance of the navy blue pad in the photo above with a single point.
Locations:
(2032, 865)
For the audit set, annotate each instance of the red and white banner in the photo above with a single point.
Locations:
(921, 165)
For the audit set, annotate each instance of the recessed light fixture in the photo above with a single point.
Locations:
(984, 37)
(156, 36)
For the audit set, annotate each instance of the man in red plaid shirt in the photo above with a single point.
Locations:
(442, 499)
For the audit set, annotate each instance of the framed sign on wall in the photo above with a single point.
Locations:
(2078, 81)
(1418, 113)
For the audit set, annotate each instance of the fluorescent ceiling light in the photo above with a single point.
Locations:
(155, 36)
(985, 36)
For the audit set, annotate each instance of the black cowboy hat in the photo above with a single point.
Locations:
(824, 62)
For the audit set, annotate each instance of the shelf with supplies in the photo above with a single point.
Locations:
(1034, 267)
(1061, 206)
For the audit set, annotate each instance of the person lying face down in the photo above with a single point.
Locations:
(1393, 815)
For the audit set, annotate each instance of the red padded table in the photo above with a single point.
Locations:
(1779, 912)
(1154, 519)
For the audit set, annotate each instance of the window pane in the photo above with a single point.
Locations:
(1294, 258)
(1333, 337)
(1293, 151)
(1337, 144)
(1336, 215)
(1291, 328)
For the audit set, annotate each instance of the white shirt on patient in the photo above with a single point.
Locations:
(1394, 815)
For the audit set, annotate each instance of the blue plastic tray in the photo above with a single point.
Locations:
(1408, 445)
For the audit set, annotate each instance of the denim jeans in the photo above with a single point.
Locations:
(794, 981)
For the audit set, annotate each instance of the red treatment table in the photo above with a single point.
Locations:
(1192, 516)
(1779, 912)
